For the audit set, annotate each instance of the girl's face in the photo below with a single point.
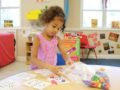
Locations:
(54, 27)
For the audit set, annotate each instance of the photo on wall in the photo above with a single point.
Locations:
(115, 24)
(118, 46)
(100, 51)
(8, 23)
(102, 36)
(113, 36)
(111, 50)
(98, 43)
(106, 46)
(94, 23)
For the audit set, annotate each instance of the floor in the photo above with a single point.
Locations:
(13, 68)
(20, 66)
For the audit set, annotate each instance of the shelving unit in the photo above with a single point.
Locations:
(29, 44)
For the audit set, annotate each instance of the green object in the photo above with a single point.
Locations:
(95, 78)
(77, 46)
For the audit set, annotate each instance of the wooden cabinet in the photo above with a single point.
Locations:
(29, 44)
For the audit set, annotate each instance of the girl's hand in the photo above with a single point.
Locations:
(69, 62)
(55, 69)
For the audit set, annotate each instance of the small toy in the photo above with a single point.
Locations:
(99, 80)
(55, 80)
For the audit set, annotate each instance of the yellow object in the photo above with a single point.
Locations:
(94, 23)
(8, 23)
(33, 15)
(99, 85)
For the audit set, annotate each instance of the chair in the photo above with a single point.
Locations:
(85, 45)
(60, 60)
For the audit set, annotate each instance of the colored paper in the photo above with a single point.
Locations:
(33, 15)
(72, 47)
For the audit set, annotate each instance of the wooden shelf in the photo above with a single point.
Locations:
(29, 44)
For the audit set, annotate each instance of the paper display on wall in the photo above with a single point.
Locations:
(94, 23)
(8, 23)
(33, 15)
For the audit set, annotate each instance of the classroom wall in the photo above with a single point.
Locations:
(107, 42)
(73, 22)
(27, 6)
(74, 14)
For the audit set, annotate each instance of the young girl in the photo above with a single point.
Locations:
(45, 44)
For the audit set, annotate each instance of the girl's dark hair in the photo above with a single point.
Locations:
(49, 14)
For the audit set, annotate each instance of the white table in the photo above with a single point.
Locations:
(113, 73)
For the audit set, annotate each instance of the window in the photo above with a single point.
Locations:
(10, 11)
(103, 11)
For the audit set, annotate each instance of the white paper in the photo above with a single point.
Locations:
(38, 84)
(8, 84)
(16, 80)
(78, 71)
(44, 72)
(25, 76)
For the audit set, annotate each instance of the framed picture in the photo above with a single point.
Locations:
(106, 46)
(94, 23)
(115, 24)
(118, 46)
(102, 36)
(8, 23)
(113, 36)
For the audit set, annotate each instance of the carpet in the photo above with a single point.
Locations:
(108, 62)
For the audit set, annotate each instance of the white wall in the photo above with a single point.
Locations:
(72, 22)
(74, 14)
(28, 5)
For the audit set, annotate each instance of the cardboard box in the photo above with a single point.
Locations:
(72, 47)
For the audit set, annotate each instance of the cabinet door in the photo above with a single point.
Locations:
(28, 51)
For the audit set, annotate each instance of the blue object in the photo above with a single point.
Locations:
(60, 60)
(66, 8)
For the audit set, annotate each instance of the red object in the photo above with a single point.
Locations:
(85, 45)
(54, 82)
(7, 50)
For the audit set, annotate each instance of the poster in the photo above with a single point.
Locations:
(118, 46)
(102, 36)
(113, 36)
(8, 23)
(115, 24)
(106, 46)
(94, 23)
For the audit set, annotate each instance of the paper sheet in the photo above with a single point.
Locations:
(44, 72)
(16, 80)
(8, 84)
(35, 83)
(78, 71)
(25, 76)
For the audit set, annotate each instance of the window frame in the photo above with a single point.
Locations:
(104, 17)
(19, 7)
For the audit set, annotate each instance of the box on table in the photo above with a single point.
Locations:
(72, 47)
